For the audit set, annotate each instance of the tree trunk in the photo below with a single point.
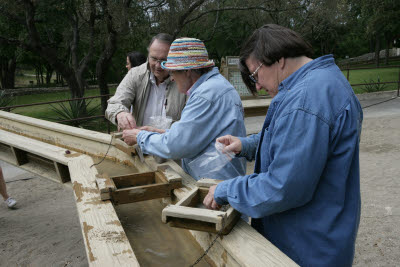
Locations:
(377, 48)
(104, 61)
(7, 77)
(387, 51)
(49, 73)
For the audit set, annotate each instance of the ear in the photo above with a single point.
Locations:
(282, 63)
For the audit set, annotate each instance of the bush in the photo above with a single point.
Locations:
(374, 86)
(74, 110)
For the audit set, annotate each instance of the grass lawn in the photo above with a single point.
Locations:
(371, 76)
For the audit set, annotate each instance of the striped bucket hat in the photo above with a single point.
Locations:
(187, 53)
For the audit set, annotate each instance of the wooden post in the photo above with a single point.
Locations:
(20, 156)
(398, 86)
(348, 73)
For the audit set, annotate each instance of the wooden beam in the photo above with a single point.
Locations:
(105, 240)
(42, 149)
(256, 107)
(144, 192)
(88, 142)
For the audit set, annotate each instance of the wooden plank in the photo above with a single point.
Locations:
(105, 240)
(189, 200)
(141, 193)
(256, 107)
(42, 149)
(207, 182)
(80, 140)
(134, 179)
(169, 173)
(106, 186)
(204, 215)
(20, 156)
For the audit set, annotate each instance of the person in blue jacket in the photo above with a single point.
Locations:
(304, 194)
(213, 108)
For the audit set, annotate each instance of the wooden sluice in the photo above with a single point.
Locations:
(130, 234)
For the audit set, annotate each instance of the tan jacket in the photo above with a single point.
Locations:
(134, 90)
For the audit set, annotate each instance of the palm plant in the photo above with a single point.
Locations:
(374, 86)
(75, 109)
(5, 100)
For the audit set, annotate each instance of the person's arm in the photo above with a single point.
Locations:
(298, 152)
(249, 146)
(122, 99)
(187, 137)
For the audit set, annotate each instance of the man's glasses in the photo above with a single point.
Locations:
(156, 60)
(253, 75)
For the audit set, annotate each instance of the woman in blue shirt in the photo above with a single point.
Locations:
(304, 194)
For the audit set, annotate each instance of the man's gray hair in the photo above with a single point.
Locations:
(162, 37)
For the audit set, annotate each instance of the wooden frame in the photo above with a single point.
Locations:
(105, 240)
(139, 186)
(190, 213)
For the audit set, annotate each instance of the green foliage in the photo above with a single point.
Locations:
(74, 110)
(374, 86)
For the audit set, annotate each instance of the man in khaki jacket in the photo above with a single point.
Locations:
(148, 89)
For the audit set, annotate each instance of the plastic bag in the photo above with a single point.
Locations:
(160, 122)
(211, 162)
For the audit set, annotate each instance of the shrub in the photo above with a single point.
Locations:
(74, 110)
(374, 86)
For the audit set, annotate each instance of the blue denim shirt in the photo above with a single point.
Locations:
(304, 195)
(213, 109)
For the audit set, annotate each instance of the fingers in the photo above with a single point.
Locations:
(131, 121)
(232, 143)
(129, 136)
(126, 121)
(215, 206)
(224, 139)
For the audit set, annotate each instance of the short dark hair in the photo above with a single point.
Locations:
(268, 44)
(162, 37)
(136, 58)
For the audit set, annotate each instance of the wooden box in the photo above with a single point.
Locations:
(190, 213)
(139, 186)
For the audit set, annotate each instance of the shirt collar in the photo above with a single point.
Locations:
(293, 78)
(153, 79)
(202, 79)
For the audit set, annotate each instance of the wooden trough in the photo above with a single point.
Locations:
(68, 155)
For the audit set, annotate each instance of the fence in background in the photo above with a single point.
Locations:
(9, 108)
(348, 69)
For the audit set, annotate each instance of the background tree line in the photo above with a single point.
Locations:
(85, 41)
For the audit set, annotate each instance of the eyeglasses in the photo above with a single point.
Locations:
(252, 76)
(156, 60)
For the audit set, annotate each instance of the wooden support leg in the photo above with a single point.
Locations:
(62, 172)
(20, 156)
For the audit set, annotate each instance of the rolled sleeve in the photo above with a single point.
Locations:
(122, 99)
(220, 193)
